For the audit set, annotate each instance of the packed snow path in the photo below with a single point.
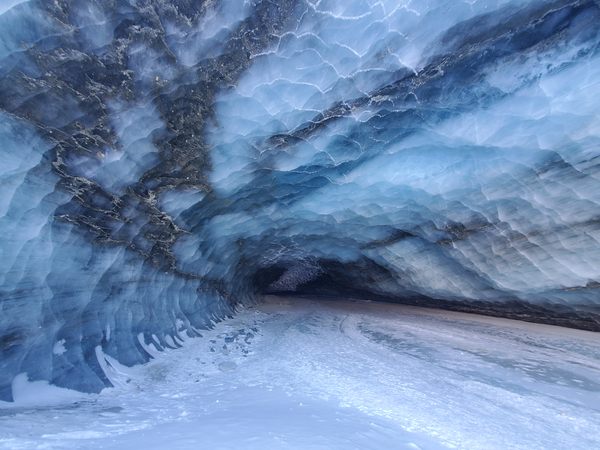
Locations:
(296, 373)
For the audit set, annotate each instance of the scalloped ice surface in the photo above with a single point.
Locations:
(163, 161)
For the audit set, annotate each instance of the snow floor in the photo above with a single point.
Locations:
(304, 374)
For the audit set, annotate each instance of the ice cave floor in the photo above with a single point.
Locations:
(306, 374)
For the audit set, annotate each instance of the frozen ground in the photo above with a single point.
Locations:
(319, 375)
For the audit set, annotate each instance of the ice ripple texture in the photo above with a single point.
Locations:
(161, 162)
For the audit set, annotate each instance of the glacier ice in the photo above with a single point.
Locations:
(163, 161)
(316, 374)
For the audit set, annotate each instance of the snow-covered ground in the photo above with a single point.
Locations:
(304, 374)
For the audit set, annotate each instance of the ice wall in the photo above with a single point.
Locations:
(162, 161)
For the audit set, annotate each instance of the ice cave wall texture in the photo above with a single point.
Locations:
(162, 161)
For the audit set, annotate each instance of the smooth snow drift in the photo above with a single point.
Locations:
(302, 374)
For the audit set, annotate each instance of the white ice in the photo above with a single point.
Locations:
(302, 374)
(5, 5)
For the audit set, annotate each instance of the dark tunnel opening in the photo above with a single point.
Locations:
(337, 280)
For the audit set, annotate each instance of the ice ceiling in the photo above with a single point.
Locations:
(162, 161)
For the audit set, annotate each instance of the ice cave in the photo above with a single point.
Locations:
(300, 224)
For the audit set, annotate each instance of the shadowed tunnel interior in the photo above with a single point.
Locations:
(162, 162)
